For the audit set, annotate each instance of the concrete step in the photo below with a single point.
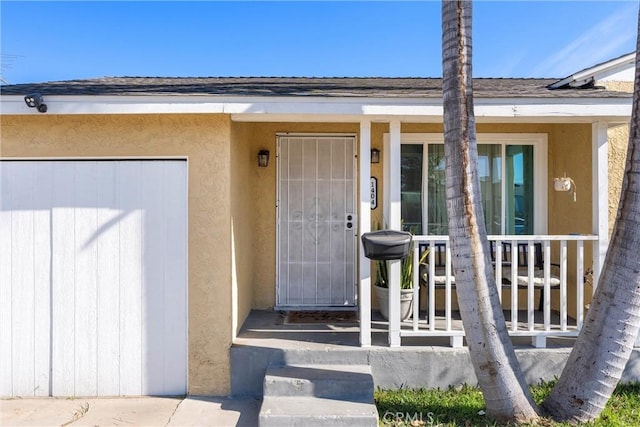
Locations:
(289, 411)
(353, 382)
(249, 363)
(318, 395)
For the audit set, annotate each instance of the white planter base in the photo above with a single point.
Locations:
(406, 302)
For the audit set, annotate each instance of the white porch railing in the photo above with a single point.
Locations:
(550, 317)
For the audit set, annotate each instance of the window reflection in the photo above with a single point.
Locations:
(508, 208)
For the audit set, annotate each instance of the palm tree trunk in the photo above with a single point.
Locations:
(499, 375)
(611, 326)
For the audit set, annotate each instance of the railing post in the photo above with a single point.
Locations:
(539, 341)
(531, 320)
(546, 304)
(431, 287)
(563, 285)
(394, 303)
(600, 195)
(416, 285)
(498, 267)
(579, 283)
(514, 285)
(393, 176)
(364, 290)
(447, 290)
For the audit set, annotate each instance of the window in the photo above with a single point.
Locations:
(512, 173)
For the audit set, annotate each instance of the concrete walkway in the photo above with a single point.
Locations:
(130, 411)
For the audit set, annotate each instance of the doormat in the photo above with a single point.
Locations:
(300, 317)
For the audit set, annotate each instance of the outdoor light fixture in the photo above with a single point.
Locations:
(565, 184)
(35, 100)
(263, 158)
(375, 155)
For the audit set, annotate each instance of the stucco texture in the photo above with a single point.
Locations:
(618, 137)
(618, 86)
(204, 139)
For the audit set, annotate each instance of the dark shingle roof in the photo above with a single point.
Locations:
(302, 86)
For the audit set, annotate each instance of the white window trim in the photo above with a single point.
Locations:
(539, 141)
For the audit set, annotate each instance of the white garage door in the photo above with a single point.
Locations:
(93, 288)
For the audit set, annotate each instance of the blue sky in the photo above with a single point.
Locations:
(49, 41)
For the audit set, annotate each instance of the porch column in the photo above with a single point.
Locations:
(364, 290)
(600, 196)
(392, 176)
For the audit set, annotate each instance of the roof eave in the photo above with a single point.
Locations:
(588, 74)
(343, 109)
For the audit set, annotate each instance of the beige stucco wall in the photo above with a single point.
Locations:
(570, 153)
(205, 140)
(244, 176)
(618, 86)
(618, 138)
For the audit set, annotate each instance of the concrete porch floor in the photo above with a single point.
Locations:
(269, 327)
(266, 340)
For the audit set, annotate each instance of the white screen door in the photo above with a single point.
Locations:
(317, 228)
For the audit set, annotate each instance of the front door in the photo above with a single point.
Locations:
(317, 228)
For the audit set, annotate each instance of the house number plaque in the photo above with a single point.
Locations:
(374, 192)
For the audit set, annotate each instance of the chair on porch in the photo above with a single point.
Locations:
(439, 276)
(522, 274)
(440, 259)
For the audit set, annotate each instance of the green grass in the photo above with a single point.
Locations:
(464, 406)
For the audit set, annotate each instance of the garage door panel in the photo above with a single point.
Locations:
(85, 295)
(153, 310)
(22, 278)
(6, 259)
(24, 282)
(131, 266)
(42, 276)
(108, 277)
(174, 224)
(63, 279)
(107, 314)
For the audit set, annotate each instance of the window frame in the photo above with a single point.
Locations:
(539, 142)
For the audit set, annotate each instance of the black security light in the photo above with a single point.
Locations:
(35, 100)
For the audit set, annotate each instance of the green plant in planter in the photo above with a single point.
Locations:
(406, 269)
(406, 286)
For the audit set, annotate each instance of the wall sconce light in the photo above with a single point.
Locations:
(375, 155)
(565, 184)
(263, 158)
(35, 100)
